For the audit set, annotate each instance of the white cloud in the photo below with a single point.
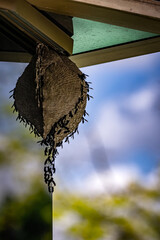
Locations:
(109, 181)
(130, 122)
(142, 100)
(115, 179)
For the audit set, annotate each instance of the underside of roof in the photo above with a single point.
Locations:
(89, 31)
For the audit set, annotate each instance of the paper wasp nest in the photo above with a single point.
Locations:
(51, 97)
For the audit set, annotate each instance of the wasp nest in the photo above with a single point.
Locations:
(51, 97)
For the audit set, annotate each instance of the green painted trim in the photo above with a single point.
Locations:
(91, 35)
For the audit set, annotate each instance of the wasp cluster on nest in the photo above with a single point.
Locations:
(51, 97)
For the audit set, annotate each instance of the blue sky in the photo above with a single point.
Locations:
(117, 83)
(123, 132)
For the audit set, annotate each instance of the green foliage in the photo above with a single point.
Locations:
(91, 219)
(131, 215)
(28, 214)
(87, 230)
(26, 218)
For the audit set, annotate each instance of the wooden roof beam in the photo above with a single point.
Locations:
(118, 52)
(142, 15)
(30, 21)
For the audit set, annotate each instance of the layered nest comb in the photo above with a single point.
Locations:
(51, 97)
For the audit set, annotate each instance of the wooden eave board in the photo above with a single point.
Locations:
(38, 27)
(118, 52)
(143, 15)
